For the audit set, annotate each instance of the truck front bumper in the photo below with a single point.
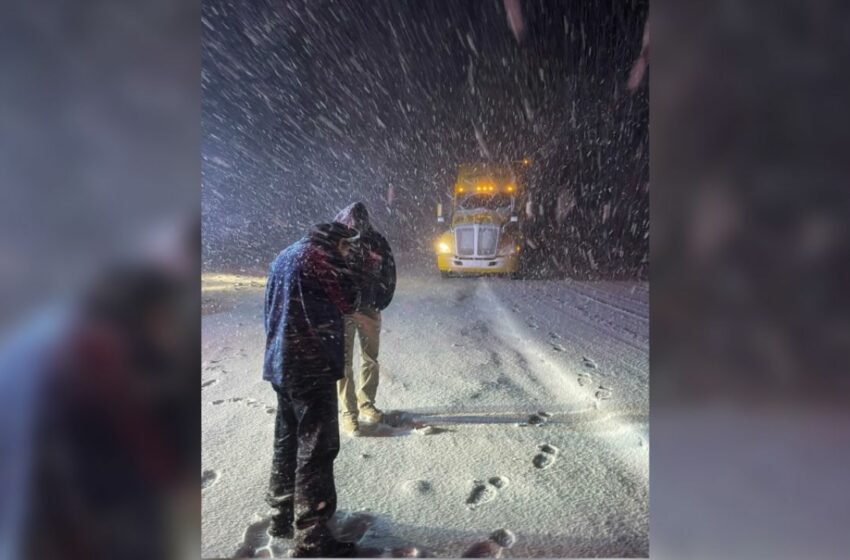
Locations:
(496, 265)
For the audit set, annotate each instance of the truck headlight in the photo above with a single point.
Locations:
(443, 248)
(508, 249)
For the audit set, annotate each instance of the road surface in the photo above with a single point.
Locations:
(537, 398)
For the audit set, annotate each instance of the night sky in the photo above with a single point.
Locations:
(310, 105)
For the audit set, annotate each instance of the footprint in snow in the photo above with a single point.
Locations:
(210, 368)
(554, 335)
(603, 393)
(584, 379)
(208, 478)
(257, 543)
(427, 430)
(208, 383)
(485, 549)
(351, 527)
(483, 492)
(420, 487)
(493, 547)
(252, 403)
(588, 363)
(558, 348)
(503, 537)
(546, 457)
(539, 419)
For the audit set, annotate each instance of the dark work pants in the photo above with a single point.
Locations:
(306, 442)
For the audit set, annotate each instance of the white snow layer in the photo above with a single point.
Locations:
(523, 413)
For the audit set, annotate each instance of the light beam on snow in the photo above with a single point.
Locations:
(558, 383)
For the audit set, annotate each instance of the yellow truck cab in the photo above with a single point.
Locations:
(484, 230)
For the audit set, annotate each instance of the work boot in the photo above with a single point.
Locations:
(369, 413)
(281, 526)
(349, 424)
(331, 548)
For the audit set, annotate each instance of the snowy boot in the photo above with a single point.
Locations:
(281, 525)
(331, 548)
(349, 425)
(369, 413)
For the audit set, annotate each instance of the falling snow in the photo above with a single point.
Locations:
(308, 106)
(531, 394)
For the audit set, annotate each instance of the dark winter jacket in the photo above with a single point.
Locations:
(309, 289)
(375, 263)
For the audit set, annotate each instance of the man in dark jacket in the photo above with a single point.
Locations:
(377, 283)
(310, 288)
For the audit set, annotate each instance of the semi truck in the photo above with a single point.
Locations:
(483, 234)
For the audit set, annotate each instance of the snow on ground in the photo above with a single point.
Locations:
(537, 395)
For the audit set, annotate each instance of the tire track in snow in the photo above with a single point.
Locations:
(585, 291)
(563, 385)
(633, 357)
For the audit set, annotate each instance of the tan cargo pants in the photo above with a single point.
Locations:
(367, 326)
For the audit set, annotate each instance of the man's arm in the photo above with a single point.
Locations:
(271, 285)
(339, 289)
(388, 275)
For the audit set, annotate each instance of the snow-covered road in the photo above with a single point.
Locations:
(538, 393)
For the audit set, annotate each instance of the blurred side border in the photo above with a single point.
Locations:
(100, 144)
(99, 279)
(750, 250)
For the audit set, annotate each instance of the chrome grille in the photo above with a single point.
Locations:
(465, 241)
(488, 238)
(477, 241)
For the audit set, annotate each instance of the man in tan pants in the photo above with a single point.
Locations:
(366, 326)
(377, 285)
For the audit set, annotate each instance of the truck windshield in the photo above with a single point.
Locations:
(496, 201)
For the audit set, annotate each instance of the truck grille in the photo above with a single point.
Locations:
(488, 238)
(465, 241)
(477, 240)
